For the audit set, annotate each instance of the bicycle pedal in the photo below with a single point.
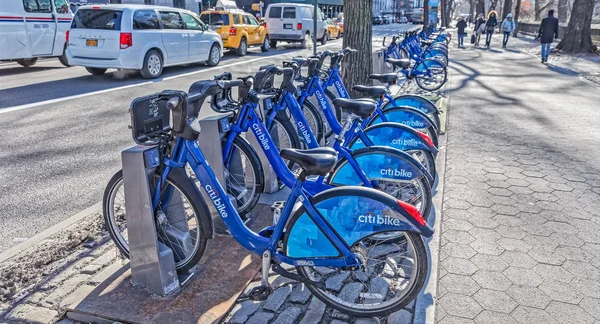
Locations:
(259, 293)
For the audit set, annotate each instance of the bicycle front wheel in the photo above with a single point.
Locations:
(392, 274)
(182, 219)
(434, 76)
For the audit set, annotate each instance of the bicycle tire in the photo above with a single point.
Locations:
(423, 183)
(289, 128)
(338, 111)
(420, 78)
(259, 185)
(180, 181)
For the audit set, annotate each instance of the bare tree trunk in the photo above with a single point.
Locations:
(516, 18)
(578, 37)
(506, 8)
(471, 9)
(444, 17)
(480, 7)
(539, 8)
(563, 8)
(425, 13)
(357, 67)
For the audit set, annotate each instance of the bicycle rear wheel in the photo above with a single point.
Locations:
(437, 75)
(182, 222)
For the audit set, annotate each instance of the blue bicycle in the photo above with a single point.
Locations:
(338, 232)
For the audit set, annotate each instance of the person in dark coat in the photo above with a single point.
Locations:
(460, 26)
(548, 32)
(478, 22)
(490, 25)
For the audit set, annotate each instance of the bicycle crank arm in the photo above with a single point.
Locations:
(282, 272)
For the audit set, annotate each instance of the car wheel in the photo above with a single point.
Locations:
(324, 38)
(339, 34)
(273, 44)
(153, 65)
(63, 58)
(27, 62)
(242, 50)
(266, 46)
(214, 57)
(95, 71)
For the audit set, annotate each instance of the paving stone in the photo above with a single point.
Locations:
(505, 209)
(590, 288)
(277, 298)
(518, 259)
(582, 269)
(459, 266)
(314, 313)
(338, 322)
(300, 294)
(514, 245)
(490, 262)
(402, 316)
(457, 224)
(510, 232)
(527, 315)
(260, 318)
(528, 296)
(336, 282)
(373, 320)
(378, 290)
(460, 305)
(485, 234)
(560, 291)
(242, 311)
(68, 286)
(591, 306)
(459, 250)
(568, 313)
(458, 236)
(487, 247)
(553, 273)
(491, 317)
(352, 291)
(492, 280)
(289, 315)
(455, 320)
(32, 314)
(523, 277)
(495, 300)
(548, 257)
(458, 284)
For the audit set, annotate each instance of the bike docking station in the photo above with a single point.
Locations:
(149, 288)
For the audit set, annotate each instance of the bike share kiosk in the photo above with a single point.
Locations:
(153, 247)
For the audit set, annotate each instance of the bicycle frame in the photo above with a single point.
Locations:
(187, 151)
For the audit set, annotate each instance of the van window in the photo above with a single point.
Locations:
(62, 6)
(97, 19)
(37, 5)
(191, 22)
(215, 19)
(275, 12)
(307, 13)
(171, 20)
(145, 19)
(289, 12)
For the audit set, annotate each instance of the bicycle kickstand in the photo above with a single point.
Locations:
(263, 291)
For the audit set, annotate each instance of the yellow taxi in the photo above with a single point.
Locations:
(238, 29)
(340, 23)
(333, 30)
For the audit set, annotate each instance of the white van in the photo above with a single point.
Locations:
(140, 37)
(30, 29)
(292, 22)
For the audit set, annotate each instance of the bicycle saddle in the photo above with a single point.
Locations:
(360, 107)
(318, 161)
(374, 92)
(388, 78)
(403, 63)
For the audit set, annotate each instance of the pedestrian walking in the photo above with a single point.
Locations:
(479, 28)
(548, 32)
(507, 27)
(460, 26)
(490, 26)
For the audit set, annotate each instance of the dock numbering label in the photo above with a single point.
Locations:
(219, 205)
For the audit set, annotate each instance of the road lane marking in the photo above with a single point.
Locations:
(87, 94)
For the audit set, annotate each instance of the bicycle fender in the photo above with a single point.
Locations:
(406, 115)
(421, 103)
(378, 163)
(394, 135)
(353, 213)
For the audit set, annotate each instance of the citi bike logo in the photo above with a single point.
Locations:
(304, 132)
(406, 142)
(413, 123)
(396, 173)
(321, 99)
(371, 218)
(340, 89)
(262, 138)
(219, 205)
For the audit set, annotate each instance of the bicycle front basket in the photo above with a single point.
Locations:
(149, 118)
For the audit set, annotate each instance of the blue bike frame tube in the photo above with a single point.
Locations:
(347, 153)
(327, 109)
(339, 84)
(303, 129)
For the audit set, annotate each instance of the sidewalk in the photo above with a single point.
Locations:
(521, 217)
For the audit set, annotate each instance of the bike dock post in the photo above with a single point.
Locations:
(152, 263)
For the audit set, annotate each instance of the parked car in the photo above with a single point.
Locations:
(33, 29)
(140, 37)
(377, 20)
(293, 22)
(333, 30)
(385, 20)
(403, 20)
(238, 29)
(340, 23)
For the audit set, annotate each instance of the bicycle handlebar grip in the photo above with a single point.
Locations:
(223, 76)
(230, 84)
(172, 103)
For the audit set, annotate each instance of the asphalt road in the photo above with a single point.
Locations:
(63, 130)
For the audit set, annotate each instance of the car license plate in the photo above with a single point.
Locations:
(91, 42)
(287, 26)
